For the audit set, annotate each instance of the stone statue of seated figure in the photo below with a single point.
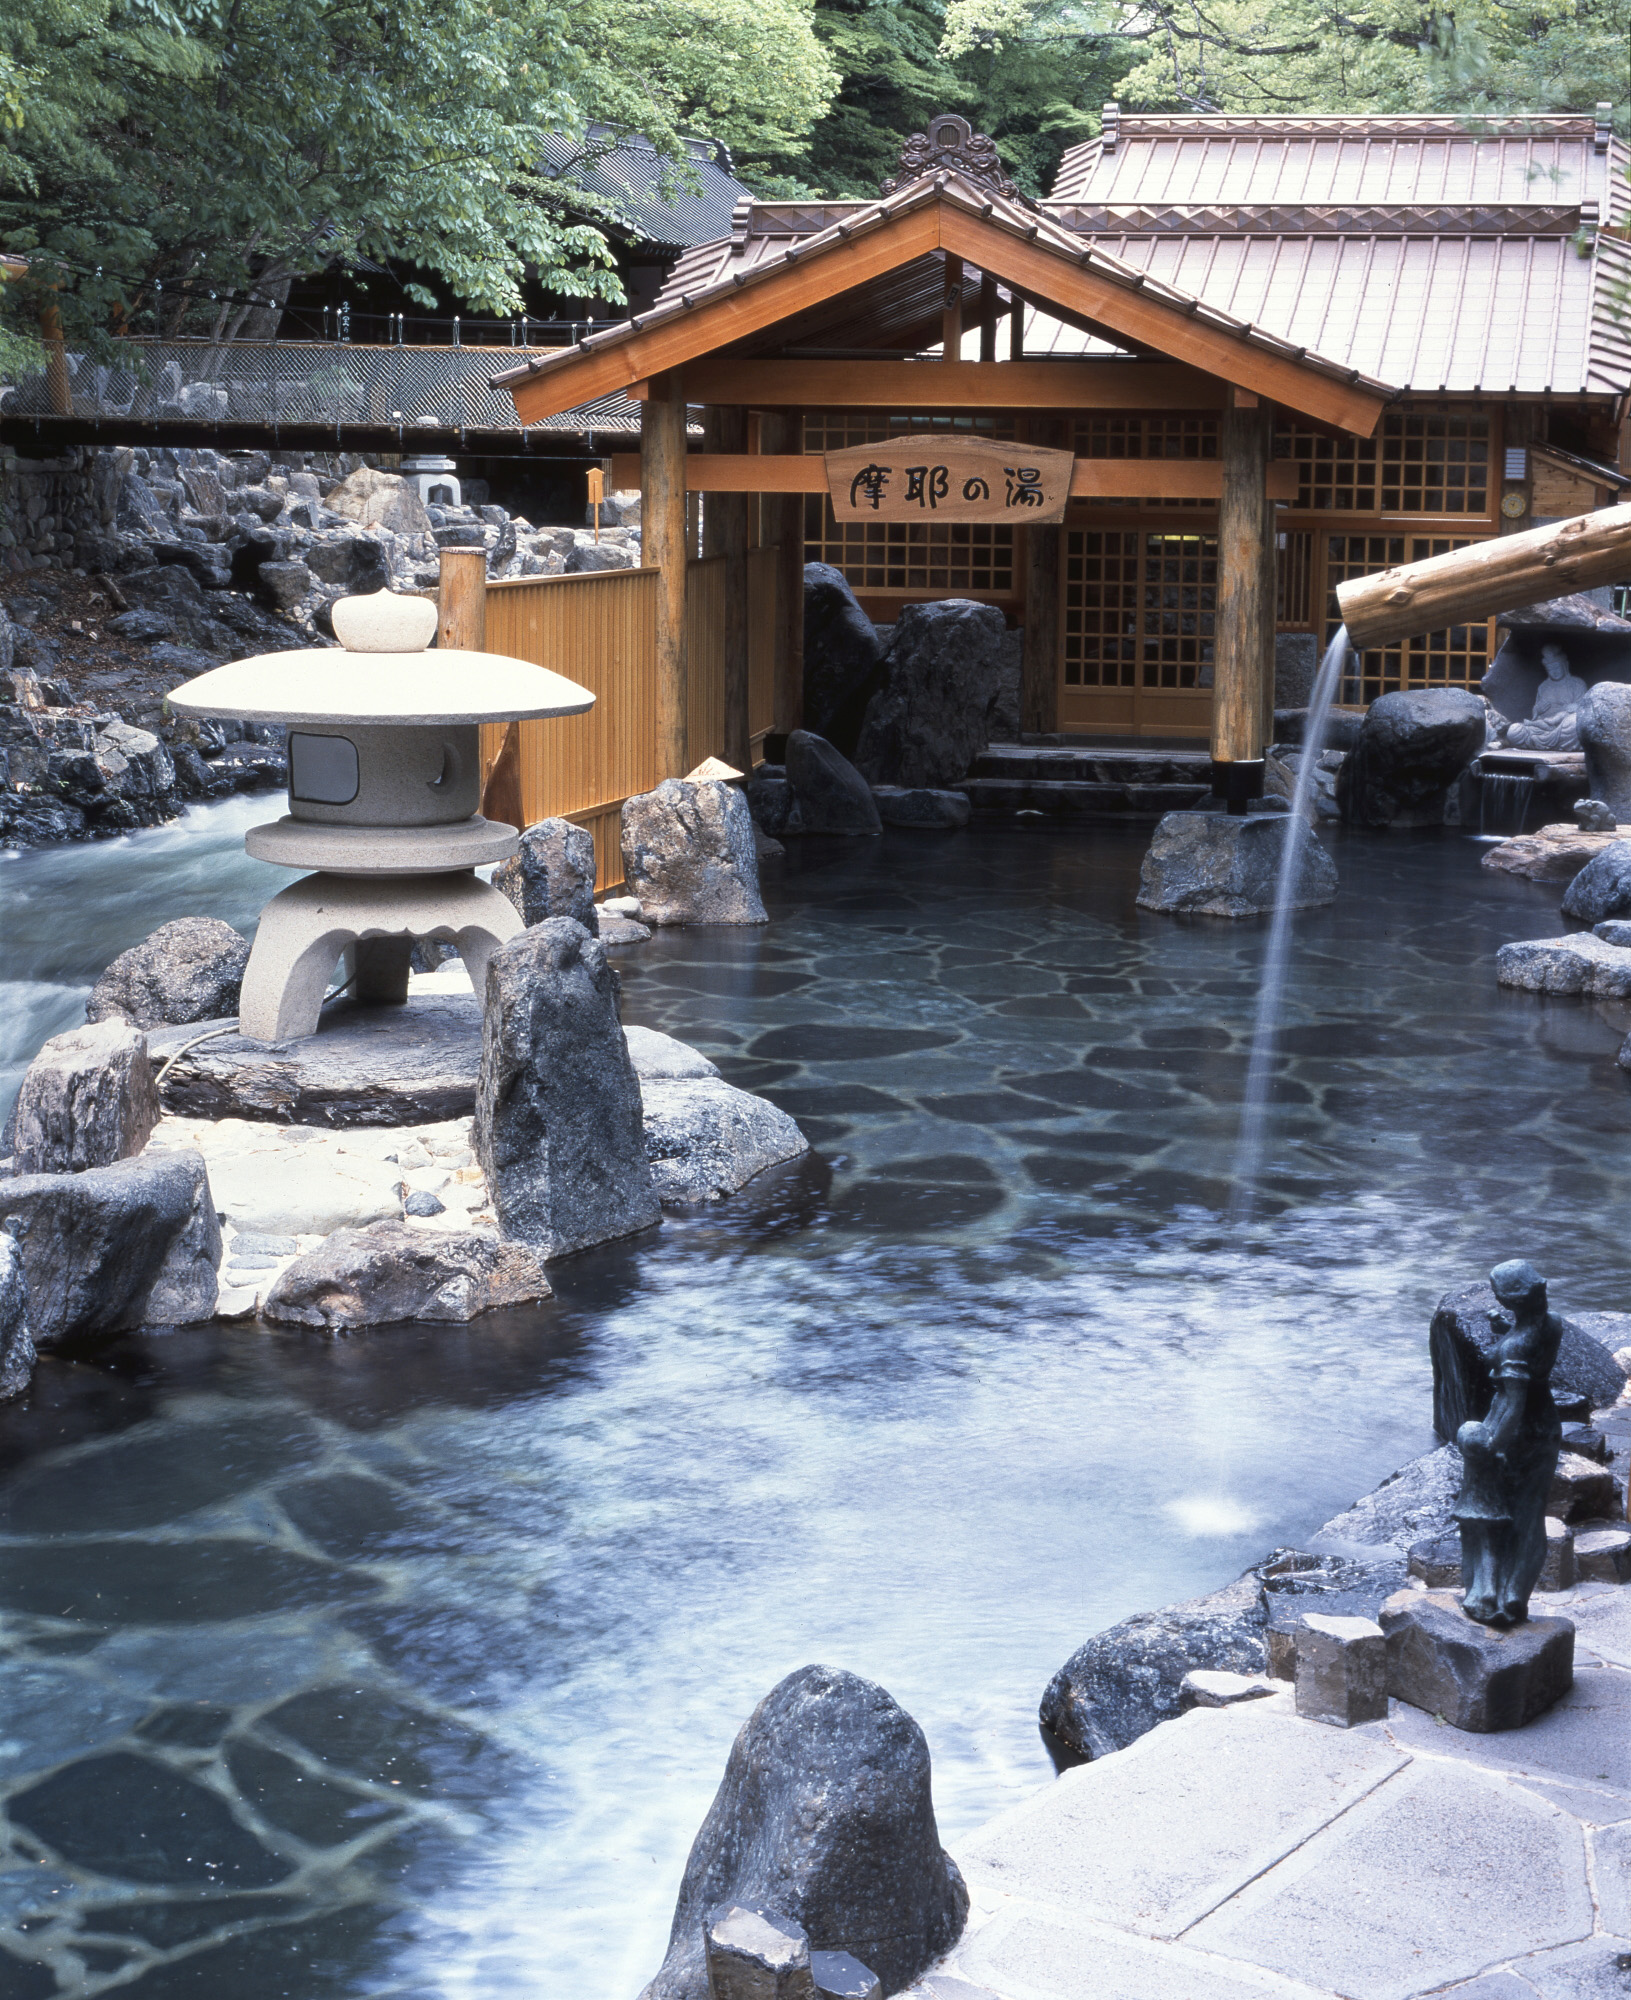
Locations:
(1552, 725)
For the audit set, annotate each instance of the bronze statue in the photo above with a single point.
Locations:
(1509, 1456)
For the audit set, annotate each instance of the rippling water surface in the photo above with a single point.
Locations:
(408, 1663)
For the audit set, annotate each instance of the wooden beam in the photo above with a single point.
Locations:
(1153, 322)
(955, 385)
(1245, 600)
(663, 548)
(1093, 478)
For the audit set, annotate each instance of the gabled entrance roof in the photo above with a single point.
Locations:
(753, 293)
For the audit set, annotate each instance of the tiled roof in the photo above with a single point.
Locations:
(631, 176)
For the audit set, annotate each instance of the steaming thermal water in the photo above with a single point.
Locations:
(462, 1620)
(1271, 987)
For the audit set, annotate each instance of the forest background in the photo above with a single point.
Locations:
(179, 163)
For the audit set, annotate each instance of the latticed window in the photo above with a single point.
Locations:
(1116, 434)
(1101, 608)
(1455, 656)
(1294, 583)
(1140, 609)
(1423, 463)
(905, 555)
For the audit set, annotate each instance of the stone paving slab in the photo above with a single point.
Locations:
(1611, 1873)
(1440, 1874)
(1603, 1625)
(1587, 1735)
(1155, 1836)
(1028, 1952)
(1599, 1969)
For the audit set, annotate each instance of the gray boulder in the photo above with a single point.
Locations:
(825, 1816)
(829, 794)
(134, 1244)
(552, 874)
(587, 557)
(1128, 1678)
(1604, 721)
(558, 1128)
(842, 655)
(16, 1342)
(375, 499)
(688, 854)
(1462, 1343)
(705, 1138)
(772, 802)
(139, 764)
(921, 806)
(660, 1058)
(188, 970)
(88, 1099)
(1220, 865)
(1409, 1506)
(392, 1272)
(285, 584)
(1602, 889)
(936, 711)
(1412, 748)
(1296, 662)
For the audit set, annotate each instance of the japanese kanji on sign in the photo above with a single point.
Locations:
(939, 477)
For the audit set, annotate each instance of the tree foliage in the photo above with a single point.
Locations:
(181, 161)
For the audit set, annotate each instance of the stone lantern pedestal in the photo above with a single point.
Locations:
(384, 797)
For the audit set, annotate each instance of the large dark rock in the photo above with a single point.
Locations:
(134, 1244)
(842, 657)
(1296, 1583)
(1602, 889)
(1462, 1342)
(689, 854)
(1412, 748)
(16, 1341)
(1604, 721)
(921, 807)
(1127, 1679)
(824, 1816)
(392, 1272)
(188, 970)
(772, 801)
(558, 1126)
(944, 686)
(1215, 864)
(552, 874)
(830, 794)
(88, 1098)
(1476, 1677)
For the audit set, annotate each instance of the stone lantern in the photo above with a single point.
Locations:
(384, 798)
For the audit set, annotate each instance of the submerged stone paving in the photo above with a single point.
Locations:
(392, 1664)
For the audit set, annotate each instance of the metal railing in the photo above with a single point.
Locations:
(278, 382)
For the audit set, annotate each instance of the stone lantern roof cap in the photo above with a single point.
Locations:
(444, 688)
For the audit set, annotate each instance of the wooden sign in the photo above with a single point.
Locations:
(936, 476)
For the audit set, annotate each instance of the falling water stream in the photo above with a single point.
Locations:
(1271, 987)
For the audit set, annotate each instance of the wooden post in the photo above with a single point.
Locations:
(57, 385)
(781, 432)
(461, 621)
(989, 310)
(663, 547)
(951, 313)
(1039, 671)
(1271, 590)
(725, 533)
(1245, 607)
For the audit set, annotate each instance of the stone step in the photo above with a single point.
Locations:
(1101, 764)
(1082, 798)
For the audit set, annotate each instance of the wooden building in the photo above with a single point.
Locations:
(1281, 351)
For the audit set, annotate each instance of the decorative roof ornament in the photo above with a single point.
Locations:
(952, 145)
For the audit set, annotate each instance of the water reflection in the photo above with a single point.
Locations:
(434, 1641)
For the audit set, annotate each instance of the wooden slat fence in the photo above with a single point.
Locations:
(600, 630)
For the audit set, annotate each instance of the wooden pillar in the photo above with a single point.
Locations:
(1039, 672)
(951, 312)
(461, 621)
(663, 546)
(990, 309)
(782, 431)
(725, 533)
(1271, 590)
(1245, 603)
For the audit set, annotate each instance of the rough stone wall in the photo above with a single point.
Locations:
(49, 506)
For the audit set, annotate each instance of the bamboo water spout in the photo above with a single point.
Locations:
(1500, 575)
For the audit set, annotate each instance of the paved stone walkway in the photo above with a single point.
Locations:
(1243, 1852)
